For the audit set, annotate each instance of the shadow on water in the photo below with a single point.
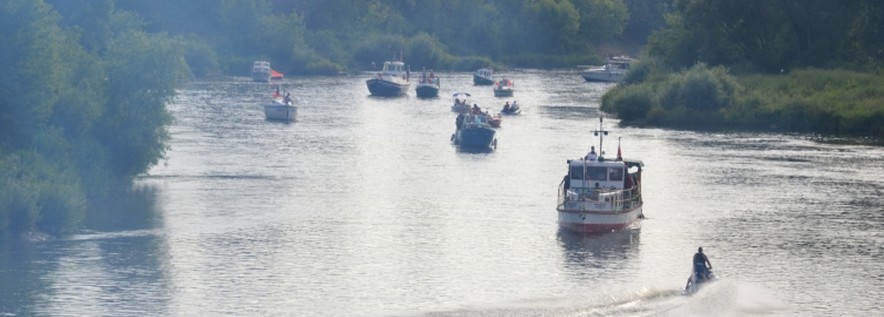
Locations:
(117, 264)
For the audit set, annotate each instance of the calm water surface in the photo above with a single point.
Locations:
(363, 208)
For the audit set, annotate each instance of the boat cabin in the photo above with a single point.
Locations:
(586, 175)
(261, 66)
(395, 67)
(484, 72)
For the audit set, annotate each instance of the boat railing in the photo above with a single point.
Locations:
(614, 200)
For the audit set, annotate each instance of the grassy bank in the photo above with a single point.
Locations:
(835, 102)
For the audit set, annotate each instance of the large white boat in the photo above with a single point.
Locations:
(392, 81)
(598, 194)
(613, 71)
(261, 71)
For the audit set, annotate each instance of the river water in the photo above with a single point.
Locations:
(363, 208)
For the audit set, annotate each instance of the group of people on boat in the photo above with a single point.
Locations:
(507, 108)
(477, 115)
(431, 78)
(287, 99)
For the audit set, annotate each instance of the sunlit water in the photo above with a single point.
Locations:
(363, 208)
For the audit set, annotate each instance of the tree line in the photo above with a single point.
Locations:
(784, 65)
(81, 112)
(331, 36)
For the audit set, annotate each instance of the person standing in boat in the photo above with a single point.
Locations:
(592, 154)
(701, 265)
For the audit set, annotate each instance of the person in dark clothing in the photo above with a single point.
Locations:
(701, 265)
(458, 122)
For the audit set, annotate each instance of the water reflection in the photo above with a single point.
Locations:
(114, 272)
(585, 254)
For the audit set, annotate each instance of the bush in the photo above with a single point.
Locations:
(630, 103)
(38, 195)
(700, 88)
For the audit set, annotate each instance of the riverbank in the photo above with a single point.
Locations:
(832, 102)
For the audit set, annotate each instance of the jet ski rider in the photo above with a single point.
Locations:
(701, 265)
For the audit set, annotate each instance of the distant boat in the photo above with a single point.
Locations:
(483, 77)
(511, 110)
(461, 102)
(503, 88)
(277, 110)
(598, 194)
(474, 132)
(281, 108)
(275, 75)
(392, 81)
(261, 72)
(613, 71)
(428, 86)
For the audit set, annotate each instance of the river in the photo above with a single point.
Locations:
(363, 207)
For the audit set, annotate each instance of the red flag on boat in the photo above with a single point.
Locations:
(619, 156)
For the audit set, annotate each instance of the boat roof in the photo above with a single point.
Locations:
(455, 95)
(606, 162)
(621, 60)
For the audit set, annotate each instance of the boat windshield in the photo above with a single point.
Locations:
(393, 67)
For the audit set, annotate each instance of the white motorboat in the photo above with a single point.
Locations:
(600, 195)
(613, 71)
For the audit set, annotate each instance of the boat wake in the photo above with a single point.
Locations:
(723, 298)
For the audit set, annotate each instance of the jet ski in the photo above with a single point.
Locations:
(697, 280)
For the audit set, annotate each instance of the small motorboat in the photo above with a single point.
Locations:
(613, 71)
(474, 132)
(483, 77)
(428, 86)
(503, 88)
(275, 75)
(511, 110)
(392, 81)
(461, 102)
(697, 280)
(281, 108)
(494, 121)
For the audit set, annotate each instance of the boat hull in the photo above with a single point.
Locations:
(427, 91)
(383, 88)
(603, 76)
(597, 222)
(280, 112)
(475, 138)
(261, 76)
(482, 81)
(511, 112)
(503, 92)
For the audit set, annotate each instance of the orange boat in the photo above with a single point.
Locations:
(275, 74)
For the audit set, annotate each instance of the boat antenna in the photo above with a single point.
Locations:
(601, 134)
